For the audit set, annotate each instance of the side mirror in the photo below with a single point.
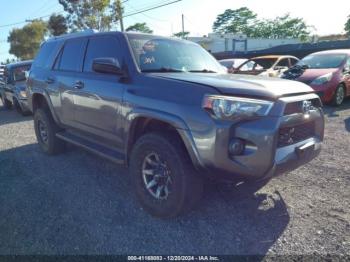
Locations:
(107, 65)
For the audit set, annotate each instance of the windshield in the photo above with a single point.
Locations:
(322, 61)
(157, 54)
(19, 73)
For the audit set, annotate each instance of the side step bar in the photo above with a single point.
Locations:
(98, 149)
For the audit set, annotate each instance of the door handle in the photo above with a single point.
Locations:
(50, 80)
(79, 85)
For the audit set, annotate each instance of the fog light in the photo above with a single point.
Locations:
(236, 146)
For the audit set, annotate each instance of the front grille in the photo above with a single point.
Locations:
(297, 107)
(292, 135)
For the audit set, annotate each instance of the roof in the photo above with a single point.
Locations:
(88, 32)
(22, 63)
(334, 51)
(273, 57)
(231, 59)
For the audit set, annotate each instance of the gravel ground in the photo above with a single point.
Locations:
(77, 203)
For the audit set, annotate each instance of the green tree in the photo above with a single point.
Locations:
(281, 27)
(140, 27)
(57, 25)
(182, 34)
(245, 21)
(347, 26)
(25, 42)
(235, 21)
(94, 14)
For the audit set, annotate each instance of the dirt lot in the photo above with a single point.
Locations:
(77, 203)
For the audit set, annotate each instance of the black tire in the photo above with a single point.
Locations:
(19, 108)
(339, 96)
(186, 185)
(7, 104)
(49, 143)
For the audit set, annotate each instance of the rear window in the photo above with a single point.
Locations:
(46, 55)
(72, 56)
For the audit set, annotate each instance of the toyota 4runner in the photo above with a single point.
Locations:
(166, 109)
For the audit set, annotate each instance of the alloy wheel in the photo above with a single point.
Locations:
(44, 136)
(340, 95)
(156, 176)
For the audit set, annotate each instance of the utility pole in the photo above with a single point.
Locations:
(183, 26)
(120, 14)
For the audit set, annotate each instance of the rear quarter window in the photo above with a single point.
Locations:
(46, 54)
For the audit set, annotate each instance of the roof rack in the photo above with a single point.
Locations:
(81, 33)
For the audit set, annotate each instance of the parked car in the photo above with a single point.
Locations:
(2, 68)
(272, 66)
(164, 108)
(13, 91)
(327, 72)
(232, 64)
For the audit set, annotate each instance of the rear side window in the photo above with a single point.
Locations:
(98, 47)
(284, 62)
(46, 55)
(72, 56)
(293, 61)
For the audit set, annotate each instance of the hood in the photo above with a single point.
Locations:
(311, 74)
(255, 72)
(244, 85)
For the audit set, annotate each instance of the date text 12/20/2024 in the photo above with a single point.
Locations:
(173, 258)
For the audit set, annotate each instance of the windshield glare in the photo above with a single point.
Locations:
(322, 61)
(157, 54)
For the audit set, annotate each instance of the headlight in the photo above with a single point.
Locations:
(227, 107)
(23, 94)
(322, 79)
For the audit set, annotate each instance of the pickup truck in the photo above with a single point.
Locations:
(13, 91)
(166, 109)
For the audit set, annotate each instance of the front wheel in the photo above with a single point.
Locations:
(165, 182)
(338, 96)
(7, 104)
(19, 108)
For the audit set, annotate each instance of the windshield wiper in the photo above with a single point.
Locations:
(202, 71)
(162, 70)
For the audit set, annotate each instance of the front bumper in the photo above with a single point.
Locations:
(325, 91)
(264, 155)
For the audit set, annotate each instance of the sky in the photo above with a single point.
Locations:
(327, 17)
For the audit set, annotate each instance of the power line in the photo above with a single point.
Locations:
(151, 8)
(28, 20)
(148, 16)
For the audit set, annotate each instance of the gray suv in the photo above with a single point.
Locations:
(165, 108)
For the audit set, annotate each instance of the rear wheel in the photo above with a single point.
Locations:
(165, 181)
(45, 130)
(338, 96)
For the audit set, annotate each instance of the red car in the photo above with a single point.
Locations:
(327, 72)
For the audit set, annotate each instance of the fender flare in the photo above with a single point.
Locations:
(43, 93)
(173, 120)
